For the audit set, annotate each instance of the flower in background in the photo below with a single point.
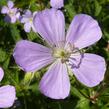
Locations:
(64, 53)
(57, 3)
(7, 94)
(27, 19)
(12, 13)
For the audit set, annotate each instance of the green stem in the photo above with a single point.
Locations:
(25, 103)
(59, 105)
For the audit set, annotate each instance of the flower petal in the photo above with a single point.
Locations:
(10, 4)
(57, 3)
(90, 71)
(1, 73)
(18, 15)
(84, 31)
(33, 28)
(28, 13)
(4, 10)
(27, 27)
(26, 16)
(50, 24)
(7, 96)
(31, 56)
(13, 19)
(24, 19)
(55, 83)
(7, 19)
(34, 13)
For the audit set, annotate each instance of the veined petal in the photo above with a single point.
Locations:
(10, 4)
(50, 24)
(32, 56)
(55, 83)
(57, 3)
(90, 70)
(4, 10)
(7, 96)
(1, 73)
(83, 31)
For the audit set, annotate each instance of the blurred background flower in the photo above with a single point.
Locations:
(27, 19)
(12, 14)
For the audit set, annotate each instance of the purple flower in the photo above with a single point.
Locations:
(64, 53)
(27, 19)
(12, 13)
(57, 3)
(7, 94)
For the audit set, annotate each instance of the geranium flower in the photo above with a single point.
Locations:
(12, 13)
(57, 3)
(7, 93)
(27, 19)
(63, 53)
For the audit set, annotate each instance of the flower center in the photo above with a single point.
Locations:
(63, 52)
(68, 54)
(11, 13)
(31, 19)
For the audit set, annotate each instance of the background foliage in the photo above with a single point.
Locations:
(28, 94)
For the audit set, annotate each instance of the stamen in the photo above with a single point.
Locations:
(67, 54)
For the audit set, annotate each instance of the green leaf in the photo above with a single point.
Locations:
(6, 63)
(105, 106)
(75, 92)
(3, 55)
(3, 2)
(83, 103)
(106, 35)
(32, 35)
(98, 8)
(15, 32)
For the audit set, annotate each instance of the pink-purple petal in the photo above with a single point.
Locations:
(4, 10)
(91, 69)
(83, 31)
(1, 73)
(18, 15)
(24, 19)
(13, 19)
(7, 19)
(27, 27)
(28, 13)
(10, 4)
(57, 3)
(33, 28)
(14, 11)
(32, 56)
(55, 83)
(50, 24)
(7, 96)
